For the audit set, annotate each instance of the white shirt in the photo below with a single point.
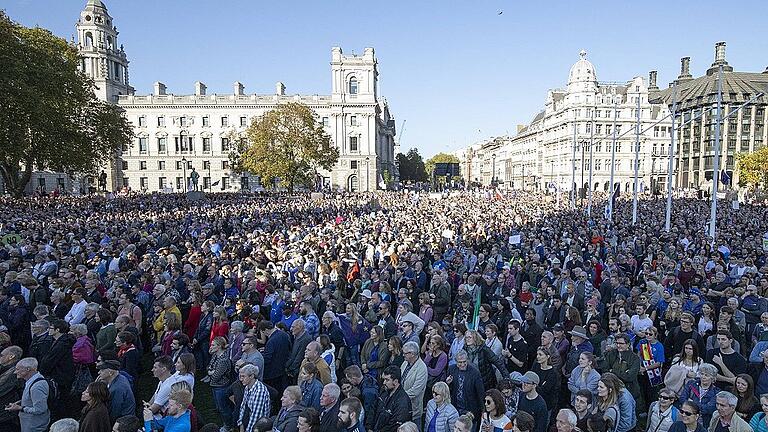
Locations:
(76, 315)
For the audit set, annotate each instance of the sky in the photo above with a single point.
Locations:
(455, 72)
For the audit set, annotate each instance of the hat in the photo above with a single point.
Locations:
(557, 327)
(555, 260)
(366, 293)
(109, 364)
(530, 378)
(580, 332)
(208, 286)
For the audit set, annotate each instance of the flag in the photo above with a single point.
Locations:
(497, 195)
(216, 183)
(476, 312)
(725, 178)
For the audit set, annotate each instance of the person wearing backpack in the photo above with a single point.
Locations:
(661, 414)
(34, 414)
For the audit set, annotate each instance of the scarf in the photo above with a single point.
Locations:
(124, 349)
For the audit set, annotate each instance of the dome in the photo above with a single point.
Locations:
(582, 71)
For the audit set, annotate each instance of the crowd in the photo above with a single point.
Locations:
(389, 312)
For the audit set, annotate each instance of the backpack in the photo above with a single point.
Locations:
(53, 390)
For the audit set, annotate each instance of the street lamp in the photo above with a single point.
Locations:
(210, 180)
(584, 145)
(493, 170)
(367, 173)
(184, 173)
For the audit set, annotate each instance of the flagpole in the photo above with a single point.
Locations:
(670, 168)
(611, 189)
(716, 167)
(573, 165)
(637, 162)
(591, 162)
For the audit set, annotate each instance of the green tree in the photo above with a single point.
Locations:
(49, 115)
(412, 166)
(287, 143)
(753, 167)
(439, 158)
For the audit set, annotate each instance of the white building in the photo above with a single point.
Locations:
(197, 129)
(541, 154)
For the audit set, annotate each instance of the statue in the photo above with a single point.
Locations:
(193, 178)
(103, 181)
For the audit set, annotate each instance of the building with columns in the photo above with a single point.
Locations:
(742, 131)
(575, 128)
(178, 132)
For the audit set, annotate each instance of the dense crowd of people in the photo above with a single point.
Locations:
(383, 312)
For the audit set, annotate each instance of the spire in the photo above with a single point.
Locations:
(652, 80)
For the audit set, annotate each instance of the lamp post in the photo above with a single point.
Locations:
(584, 145)
(367, 173)
(493, 170)
(184, 173)
(573, 165)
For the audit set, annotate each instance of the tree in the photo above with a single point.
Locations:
(753, 167)
(287, 143)
(411, 166)
(49, 116)
(439, 158)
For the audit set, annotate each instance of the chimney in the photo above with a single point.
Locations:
(159, 89)
(685, 73)
(199, 88)
(280, 89)
(719, 60)
(652, 80)
(239, 88)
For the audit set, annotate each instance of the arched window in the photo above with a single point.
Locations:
(353, 86)
(109, 43)
(88, 39)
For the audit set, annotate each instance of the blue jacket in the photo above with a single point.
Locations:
(446, 417)
(627, 417)
(169, 424)
(276, 354)
(121, 401)
(310, 393)
(708, 404)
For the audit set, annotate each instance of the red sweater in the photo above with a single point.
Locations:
(219, 328)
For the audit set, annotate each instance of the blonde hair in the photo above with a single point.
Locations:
(442, 389)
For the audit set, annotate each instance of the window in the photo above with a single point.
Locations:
(160, 121)
(244, 185)
(225, 144)
(207, 183)
(353, 86)
(326, 122)
(353, 144)
(206, 165)
(206, 121)
(184, 144)
(142, 121)
(224, 121)
(179, 183)
(142, 145)
(126, 182)
(224, 183)
(353, 164)
(142, 165)
(598, 129)
(143, 183)
(161, 165)
(162, 145)
(353, 120)
(178, 165)
(225, 164)
(206, 145)
(243, 121)
(161, 183)
(124, 165)
(183, 121)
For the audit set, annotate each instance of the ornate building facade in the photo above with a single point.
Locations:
(176, 133)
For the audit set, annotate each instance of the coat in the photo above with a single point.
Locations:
(737, 423)
(329, 418)
(57, 363)
(486, 360)
(474, 391)
(383, 359)
(708, 404)
(35, 401)
(287, 420)
(276, 354)
(297, 354)
(10, 391)
(95, 419)
(627, 370)
(414, 384)
(392, 410)
(446, 417)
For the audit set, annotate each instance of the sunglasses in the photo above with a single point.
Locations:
(488, 401)
(669, 398)
(688, 413)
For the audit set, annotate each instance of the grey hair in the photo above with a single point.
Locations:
(708, 369)
(728, 397)
(411, 347)
(79, 329)
(461, 354)
(65, 425)
(408, 427)
(28, 362)
(237, 326)
(334, 391)
(569, 415)
(43, 324)
(250, 369)
(40, 309)
(92, 307)
(300, 322)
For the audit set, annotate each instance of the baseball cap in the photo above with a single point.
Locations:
(530, 378)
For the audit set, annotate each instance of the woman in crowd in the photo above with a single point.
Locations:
(128, 355)
(744, 389)
(671, 316)
(185, 370)
(436, 360)
(440, 415)
(759, 421)
(83, 356)
(425, 307)
(689, 419)
(662, 413)
(288, 417)
(309, 421)
(459, 329)
(172, 328)
(220, 326)
(95, 415)
(584, 376)
(374, 355)
(431, 329)
(483, 358)
(492, 340)
(328, 354)
(685, 366)
(494, 417)
(465, 423)
(704, 390)
(608, 402)
(395, 348)
(706, 322)
(219, 379)
(550, 379)
(235, 342)
(311, 387)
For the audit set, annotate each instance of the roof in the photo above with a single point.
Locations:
(738, 87)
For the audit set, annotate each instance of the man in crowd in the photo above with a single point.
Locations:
(413, 379)
(34, 413)
(329, 407)
(394, 406)
(121, 400)
(349, 415)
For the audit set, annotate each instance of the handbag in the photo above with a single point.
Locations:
(83, 377)
(676, 377)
